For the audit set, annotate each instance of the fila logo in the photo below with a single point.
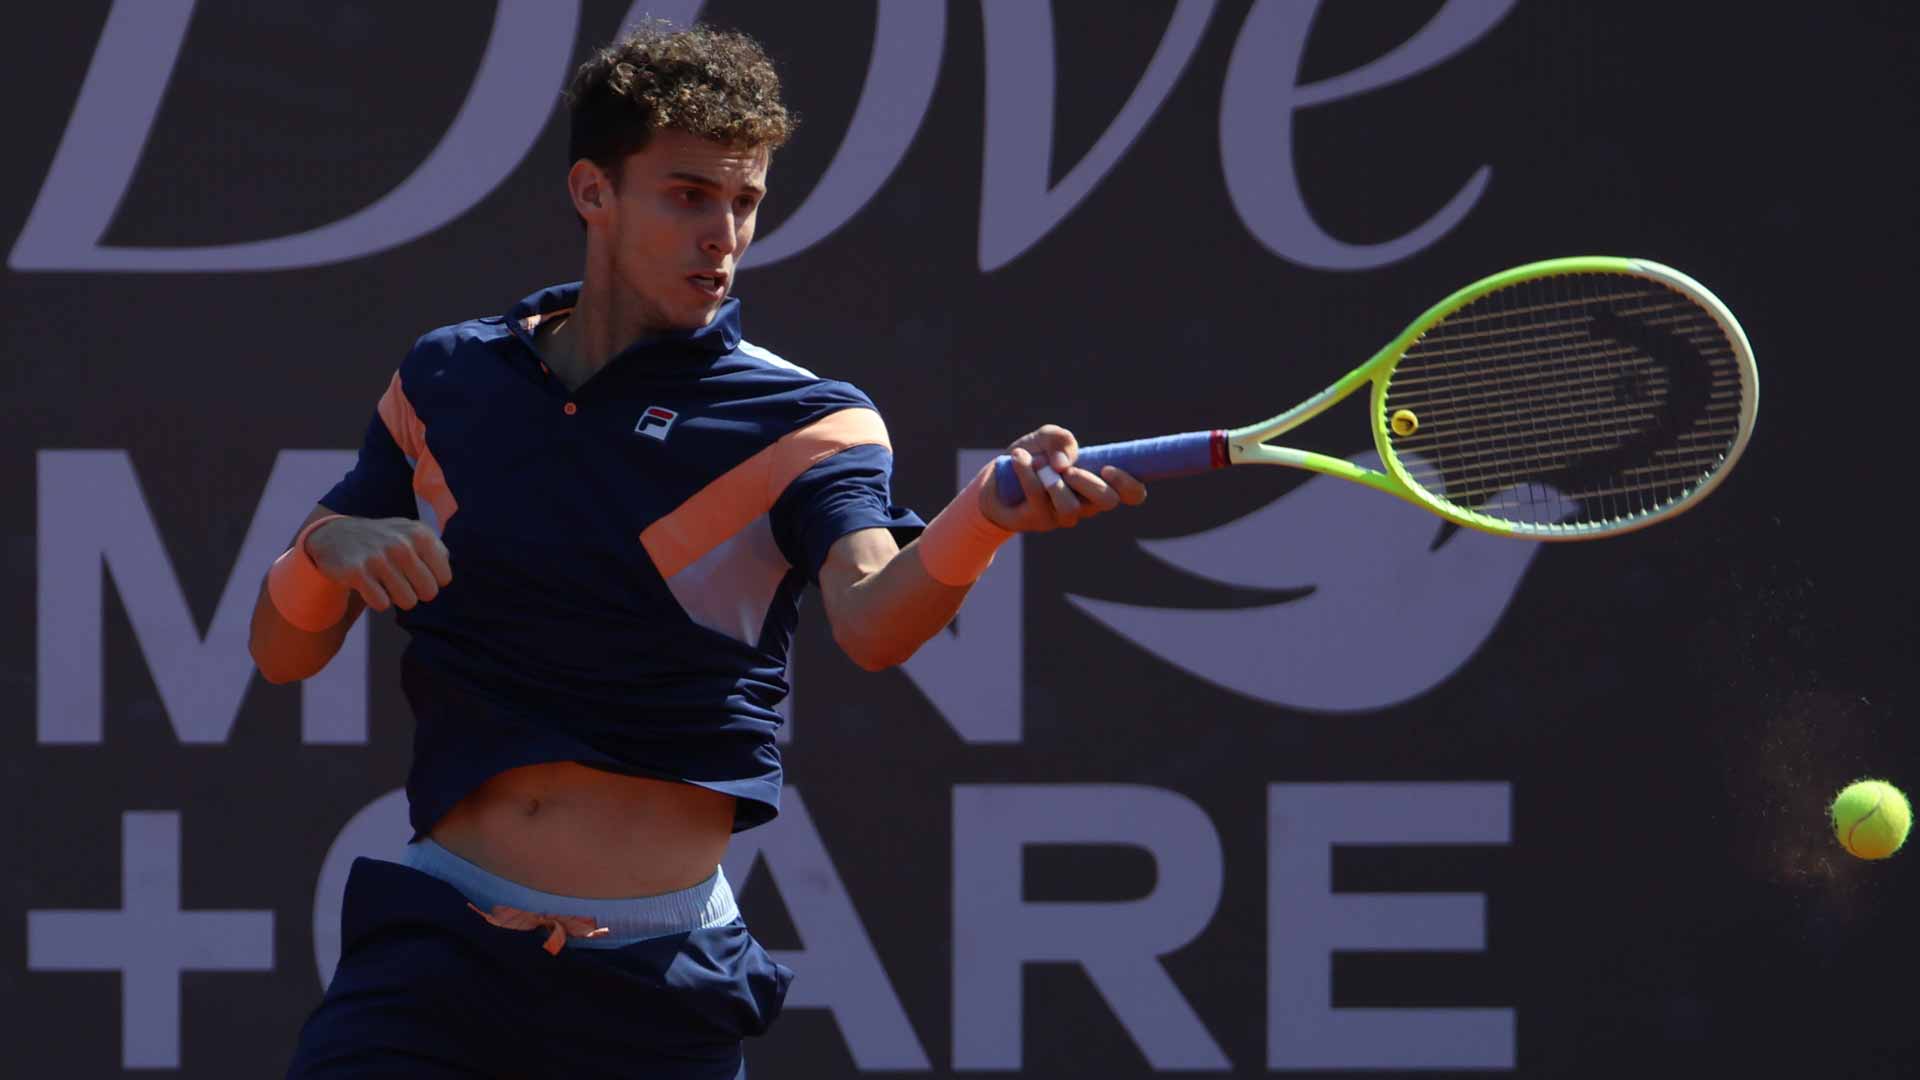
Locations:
(656, 422)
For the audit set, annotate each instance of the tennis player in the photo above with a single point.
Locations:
(595, 515)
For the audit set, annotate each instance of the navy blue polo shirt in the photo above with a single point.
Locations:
(628, 558)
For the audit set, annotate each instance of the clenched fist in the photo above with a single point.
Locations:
(395, 562)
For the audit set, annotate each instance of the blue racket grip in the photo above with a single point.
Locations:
(1146, 459)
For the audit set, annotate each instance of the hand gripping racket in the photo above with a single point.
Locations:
(1562, 400)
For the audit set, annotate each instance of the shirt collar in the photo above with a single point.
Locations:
(717, 338)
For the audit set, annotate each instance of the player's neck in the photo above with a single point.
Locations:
(602, 324)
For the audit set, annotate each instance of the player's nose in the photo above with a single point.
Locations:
(720, 234)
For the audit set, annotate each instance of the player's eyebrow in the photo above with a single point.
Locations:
(708, 182)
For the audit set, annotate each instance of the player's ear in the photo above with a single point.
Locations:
(591, 189)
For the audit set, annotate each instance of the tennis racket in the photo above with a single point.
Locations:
(1569, 399)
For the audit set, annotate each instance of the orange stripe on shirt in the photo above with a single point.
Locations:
(749, 489)
(429, 483)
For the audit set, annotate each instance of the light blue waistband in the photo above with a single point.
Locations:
(707, 904)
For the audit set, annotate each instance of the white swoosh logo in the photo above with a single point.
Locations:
(1387, 619)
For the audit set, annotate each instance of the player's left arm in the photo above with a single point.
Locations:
(884, 601)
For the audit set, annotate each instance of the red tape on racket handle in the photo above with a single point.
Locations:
(1159, 458)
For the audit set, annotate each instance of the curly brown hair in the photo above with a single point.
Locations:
(717, 84)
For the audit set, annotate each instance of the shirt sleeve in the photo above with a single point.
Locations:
(380, 484)
(841, 494)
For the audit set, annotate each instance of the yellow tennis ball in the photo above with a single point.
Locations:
(1871, 818)
(1404, 422)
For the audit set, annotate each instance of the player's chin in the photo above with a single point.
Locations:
(699, 311)
(692, 316)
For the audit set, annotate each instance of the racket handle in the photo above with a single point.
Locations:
(1146, 459)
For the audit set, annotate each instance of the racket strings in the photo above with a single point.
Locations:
(1592, 401)
(1634, 480)
(1566, 447)
(1574, 327)
(1465, 318)
(1532, 342)
(1524, 381)
(1572, 398)
(1703, 448)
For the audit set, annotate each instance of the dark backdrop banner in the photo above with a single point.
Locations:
(1269, 777)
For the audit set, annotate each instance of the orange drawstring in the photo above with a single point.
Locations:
(564, 926)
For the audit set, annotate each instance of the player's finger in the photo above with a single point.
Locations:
(395, 582)
(1056, 442)
(407, 562)
(433, 553)
(1051, 445)
(370, 591)
(1131, 491)
(1066, 505)
(1030, 487)
(1093, 491)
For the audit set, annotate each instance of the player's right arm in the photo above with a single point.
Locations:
(372, 563)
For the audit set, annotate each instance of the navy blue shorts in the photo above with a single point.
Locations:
(428, 988)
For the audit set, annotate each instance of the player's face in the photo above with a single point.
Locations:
(683, 217)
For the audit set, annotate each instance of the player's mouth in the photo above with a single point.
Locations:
(713, 286)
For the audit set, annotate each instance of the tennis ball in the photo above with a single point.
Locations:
(1404, 422)
(1871, 818)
